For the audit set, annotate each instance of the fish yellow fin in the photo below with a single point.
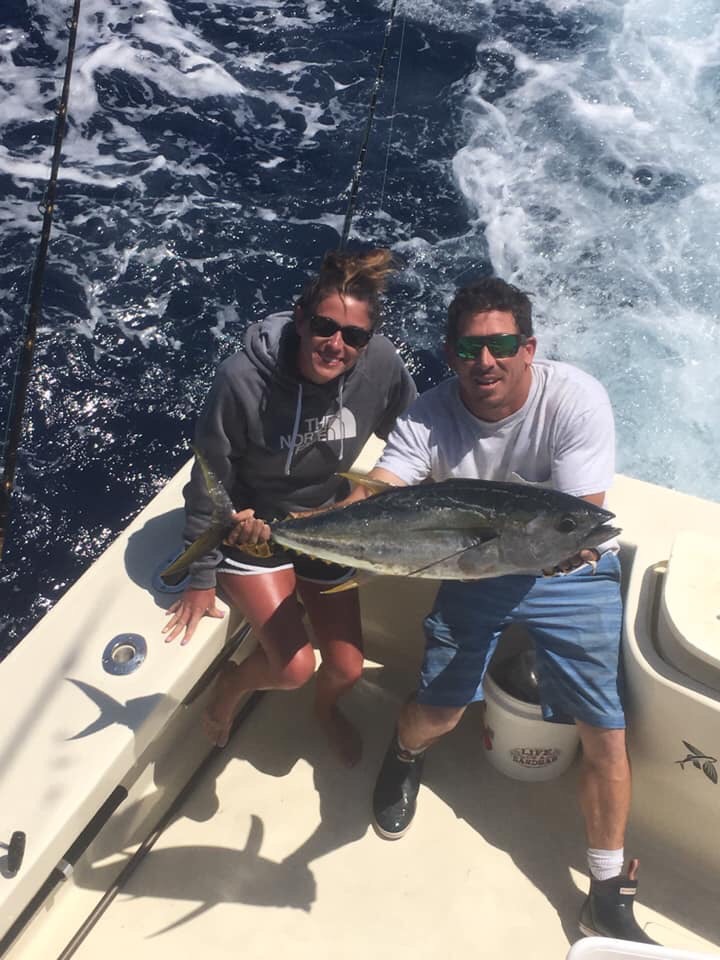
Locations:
(208, 540)
(361, 577)
(341, 587)
(222, 504)
(363, 480)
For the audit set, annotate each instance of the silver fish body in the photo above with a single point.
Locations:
(452, 530)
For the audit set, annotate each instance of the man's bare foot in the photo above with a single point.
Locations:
(217, 720)
(343, 737)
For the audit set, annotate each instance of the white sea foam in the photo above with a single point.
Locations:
(593, 180)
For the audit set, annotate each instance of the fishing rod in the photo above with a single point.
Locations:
(23, 370)
(360, 163)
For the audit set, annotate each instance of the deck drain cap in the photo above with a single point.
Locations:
(124, 653)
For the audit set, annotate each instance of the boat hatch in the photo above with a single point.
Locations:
(689, 622)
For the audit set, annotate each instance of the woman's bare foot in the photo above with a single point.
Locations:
(218, 717)
(343, 737)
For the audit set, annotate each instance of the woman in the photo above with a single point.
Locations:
(283, 418)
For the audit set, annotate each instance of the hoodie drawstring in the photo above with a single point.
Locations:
(296, 427)
(342, 420)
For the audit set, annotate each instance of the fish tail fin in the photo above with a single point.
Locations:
(222, 504)
(173, 574)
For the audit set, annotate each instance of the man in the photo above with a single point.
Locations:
(506, 416)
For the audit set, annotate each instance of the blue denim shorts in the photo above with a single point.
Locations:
(575, 620)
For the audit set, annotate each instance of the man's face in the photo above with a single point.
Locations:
(491, 387)
(323, 358)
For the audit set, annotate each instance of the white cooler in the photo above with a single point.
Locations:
(519, 743)
(602, 948)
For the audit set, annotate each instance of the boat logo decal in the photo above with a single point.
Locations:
(534, 756)
(701, 761)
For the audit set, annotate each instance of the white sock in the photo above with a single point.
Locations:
(604, 864)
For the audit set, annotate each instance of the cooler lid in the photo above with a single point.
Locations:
(691, 596)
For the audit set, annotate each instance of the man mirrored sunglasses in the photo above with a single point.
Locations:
(499, 344)
(355, 337)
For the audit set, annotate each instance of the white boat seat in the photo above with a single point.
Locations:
(688, 634)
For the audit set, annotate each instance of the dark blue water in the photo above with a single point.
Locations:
(564, 145)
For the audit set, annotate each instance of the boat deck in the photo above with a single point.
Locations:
(273, 850)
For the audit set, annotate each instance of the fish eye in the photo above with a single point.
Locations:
(566, 524)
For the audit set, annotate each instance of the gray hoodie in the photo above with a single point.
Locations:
(276, 440)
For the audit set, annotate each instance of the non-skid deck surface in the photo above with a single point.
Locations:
(273, 855)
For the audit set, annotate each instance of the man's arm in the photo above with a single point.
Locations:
(251, 529)
(361, 492)
(598, 499)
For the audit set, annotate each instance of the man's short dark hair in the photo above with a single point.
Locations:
(490, 293)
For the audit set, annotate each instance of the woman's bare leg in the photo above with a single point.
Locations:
(335, 619)
(284, 658)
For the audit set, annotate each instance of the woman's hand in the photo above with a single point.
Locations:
(188, 611)
(247, 528)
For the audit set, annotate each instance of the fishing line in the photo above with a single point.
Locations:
(392, 115)
(23, 370)
(360, 163)
(478, 542)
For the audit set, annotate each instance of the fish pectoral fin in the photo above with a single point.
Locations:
(477, 542)
(363, 480)
(481, 535)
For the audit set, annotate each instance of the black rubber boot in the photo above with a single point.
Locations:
(608, 910)
(396, 790)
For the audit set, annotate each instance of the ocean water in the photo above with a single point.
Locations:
(570, 146)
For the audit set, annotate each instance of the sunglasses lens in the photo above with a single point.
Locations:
(500, 345)
(506, 345)
(355, 337)
(323, 326)
(466, 350)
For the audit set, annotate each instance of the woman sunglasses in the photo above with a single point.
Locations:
(355, 337)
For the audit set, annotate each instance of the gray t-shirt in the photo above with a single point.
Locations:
(562, 437)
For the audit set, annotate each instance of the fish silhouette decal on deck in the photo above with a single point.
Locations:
(701, 761)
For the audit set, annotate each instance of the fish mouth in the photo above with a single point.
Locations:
(599, 534)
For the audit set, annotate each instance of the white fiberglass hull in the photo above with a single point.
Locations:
(273, 850)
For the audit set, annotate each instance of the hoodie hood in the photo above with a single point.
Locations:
(271, 346)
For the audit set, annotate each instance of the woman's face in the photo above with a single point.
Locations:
(322, 358)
